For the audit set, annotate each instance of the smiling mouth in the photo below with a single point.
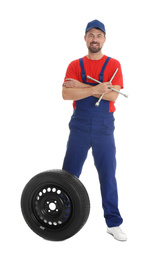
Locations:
(94, 47)
(94, 44)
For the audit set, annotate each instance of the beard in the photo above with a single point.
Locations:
(93, 49)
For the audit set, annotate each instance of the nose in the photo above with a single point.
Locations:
(94, 38)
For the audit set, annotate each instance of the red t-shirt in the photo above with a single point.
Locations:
(93, 69)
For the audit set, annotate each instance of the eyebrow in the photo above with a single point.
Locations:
(97, 34)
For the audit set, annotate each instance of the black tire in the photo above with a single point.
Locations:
(55, 205)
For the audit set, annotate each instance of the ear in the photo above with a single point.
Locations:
(104, 39)
(85, 37)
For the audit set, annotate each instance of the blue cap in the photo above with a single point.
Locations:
(95, 24)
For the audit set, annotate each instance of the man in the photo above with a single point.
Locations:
(91, 126)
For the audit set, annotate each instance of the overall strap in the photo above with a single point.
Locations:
(83, 74)
(101, 75)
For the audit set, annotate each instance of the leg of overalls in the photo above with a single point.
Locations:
(76, 154)
(77, 147)
(103, 148)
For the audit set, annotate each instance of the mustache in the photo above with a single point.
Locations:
(94, 43)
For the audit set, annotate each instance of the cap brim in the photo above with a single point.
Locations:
(95, 27)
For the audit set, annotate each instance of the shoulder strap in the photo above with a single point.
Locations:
(83, 74)
(101, 75)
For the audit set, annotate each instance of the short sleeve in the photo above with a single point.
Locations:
(73, 70)
(118, 79)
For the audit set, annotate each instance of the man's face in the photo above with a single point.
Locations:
(95, 39)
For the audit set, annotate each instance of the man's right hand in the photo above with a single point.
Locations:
(103, 88)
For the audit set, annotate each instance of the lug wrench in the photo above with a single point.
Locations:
(98, 102)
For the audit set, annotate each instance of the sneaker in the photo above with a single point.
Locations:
(117, 233)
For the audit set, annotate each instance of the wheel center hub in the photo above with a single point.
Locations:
(52, 206)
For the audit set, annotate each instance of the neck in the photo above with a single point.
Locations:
(94, 56)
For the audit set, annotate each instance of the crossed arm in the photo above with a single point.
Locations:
(76, 90)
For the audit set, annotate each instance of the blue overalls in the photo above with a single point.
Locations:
(92, 127)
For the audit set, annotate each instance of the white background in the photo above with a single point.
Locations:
(38, 40)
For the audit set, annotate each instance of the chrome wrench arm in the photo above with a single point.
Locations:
(97, 81)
